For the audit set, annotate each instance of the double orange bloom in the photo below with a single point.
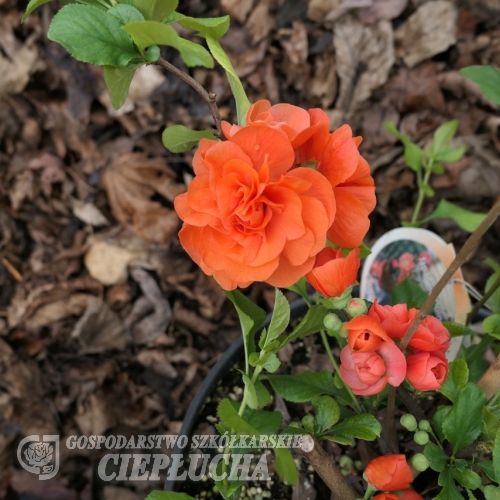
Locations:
(264, 202)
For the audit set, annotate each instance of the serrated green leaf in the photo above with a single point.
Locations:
(363, 426)
(264, 422)
(229, 418)
(487, 468)
(491, 425)
(491, 325)
(436, 456)
(285, 466)
(118, 82)
(409, 293)
(34, 4)
(280, 317)
(91, 35)
(126, 13)
(179, 138)
(215, 27)
(263, 395)
(494, 301)
(156, 10)
(491, 492)
(466, 220)
(303, 387)
(250, 393)
(148, 33)
(269, 362)
(438, 419)
(488, 79)
(442, 136)
(449, 155)
(242, 102)
(496, 455)
(339, 439)
(457, 379)
(311, 323)
(457, 329)
(300, 288)
(327, 413)
(467, 478)
(463, 423)
(251, 317)
(168, 495)
(450, 490)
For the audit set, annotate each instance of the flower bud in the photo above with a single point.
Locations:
(419, 462)
(421, 437)
(424, 425)
(356, 307)
(409, 422)
(332, 322)
(346, 462)
(343, 332)
(342, 301)
(308, 423)
(153, 54)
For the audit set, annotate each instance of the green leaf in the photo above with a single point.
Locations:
(488, 79)
(463, 423)
(300, 288)
(457, 379)
(179, 138)
(303, 387)
(491, 325)
(264, 422)
(34, 4)
(126, 13)
(496, 455)
(269, 362)
(285, 465)
(363, 426)
(156, 10)
(212, 26)
(118, 82)
(491, 492)
(168, 495)
(436, 456)
(494, 300)
(91, 35)
(491, 425)
(437, 168)
(409, 293)
(438, 419)
(148, 33)
(251, 317)
(457, 330)
(346, 441)
(413, 156)
(263, 395)
(311, 323)
(327, 413)
(426, 189)
(229, 418)
(242, 102)
(250, 392)
(281, 316)
(487, 468)
(467, 478)
(449, 155)
(466, 219)
(442, 136)
(450, 490)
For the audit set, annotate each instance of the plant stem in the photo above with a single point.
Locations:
(483, 300)
(421, 195)
(208, 97)
(326, 468)
(468, 247)
(336, 366)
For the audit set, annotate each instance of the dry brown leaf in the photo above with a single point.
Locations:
(159, 362)
(364, 57)
(27, 485)
(260, 22)
(317, 10)
(131, 182)
(52, 171)
(88, 213)
(324, 82)
(382, 9)
(237, 9)
(100, 329)
(427, 32)
(24, 188)
(93, 415)
(296, 46)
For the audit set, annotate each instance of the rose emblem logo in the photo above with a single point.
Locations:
(39, 454)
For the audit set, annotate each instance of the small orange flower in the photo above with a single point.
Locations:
(333, 273)
(427, 371)
(365, 334)
(389, 473)
(248, 216)
(404, 495)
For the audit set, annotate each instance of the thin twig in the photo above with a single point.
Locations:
(208, 97)
(391, 435)
(410, 403)
(461, 257)
(327, 469)
(483, 300)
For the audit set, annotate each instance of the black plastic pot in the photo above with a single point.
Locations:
(233, 354)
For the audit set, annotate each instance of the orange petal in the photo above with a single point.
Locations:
(286, 274)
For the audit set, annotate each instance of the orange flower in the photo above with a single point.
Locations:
(389, 473)
(404, 495)
(333, 273)
(336, 156)
(291, 120)
(365, 334)
(248, 217)
(427, 370)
